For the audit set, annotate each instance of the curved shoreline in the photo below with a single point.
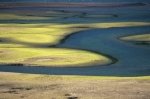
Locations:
(112, 70)
(63, 40)
(74, 61)
(102, 60)
(138, 65)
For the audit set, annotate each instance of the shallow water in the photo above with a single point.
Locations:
(133, 60)
(75, 1)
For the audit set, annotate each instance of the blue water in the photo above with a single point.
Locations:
(133, 60)
(103, 1)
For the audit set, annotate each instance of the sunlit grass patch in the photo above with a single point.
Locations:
(142, 37)
(57, 57)
(31, 35)
(24, 35)
(28, 40)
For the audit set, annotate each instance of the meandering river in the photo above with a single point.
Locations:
(132, 60)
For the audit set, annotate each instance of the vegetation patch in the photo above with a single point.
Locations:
(28, 44)
(141, 39)
(57, 57)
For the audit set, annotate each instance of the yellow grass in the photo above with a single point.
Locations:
(35, 86)
(39, 35)
(142, 37)
(36, 34)
(57, 57)
(27, 39)
(51, 33)
(41, 77)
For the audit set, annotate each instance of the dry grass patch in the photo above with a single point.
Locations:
(31, 86)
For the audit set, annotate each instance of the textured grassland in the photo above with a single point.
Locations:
(31, 86)
(48, 34)
(29, 36)
(32, 36)
(29, 44)
(50, 57)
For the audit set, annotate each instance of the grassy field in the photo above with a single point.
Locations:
(31, 37)
(32, 86)
(24, 35)
(19, 43)
(57, 57)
